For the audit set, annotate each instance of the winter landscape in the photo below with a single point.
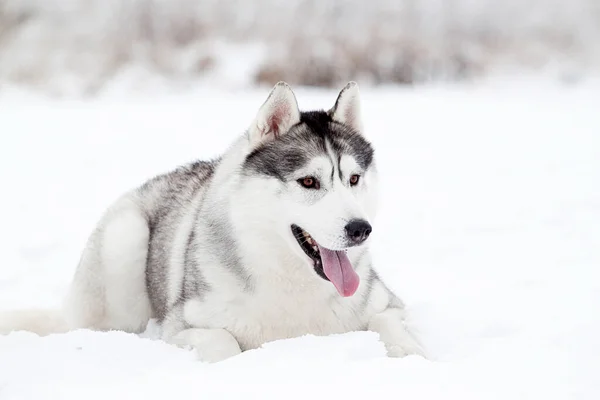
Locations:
(489, 226)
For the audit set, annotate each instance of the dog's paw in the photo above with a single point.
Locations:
(406, 349)
(210, 345)
(213, 354)
(394, 334)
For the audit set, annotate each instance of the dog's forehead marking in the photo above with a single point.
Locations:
(317, 165)
(349, 165)
(333, 159)
(316, 135)
(348, 142)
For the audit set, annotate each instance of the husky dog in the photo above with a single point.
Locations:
(269, 241)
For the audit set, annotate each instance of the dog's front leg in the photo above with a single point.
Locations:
(211, 345)
(389, 324)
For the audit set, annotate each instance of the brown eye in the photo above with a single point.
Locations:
(354, 179)
(309, 182)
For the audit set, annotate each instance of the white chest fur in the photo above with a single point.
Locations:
(276, 310)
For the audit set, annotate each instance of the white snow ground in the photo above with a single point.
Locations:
(489, 230)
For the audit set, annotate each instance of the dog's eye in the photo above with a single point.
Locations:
(354, 179)
(309, 182)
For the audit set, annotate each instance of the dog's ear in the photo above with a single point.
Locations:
(276, 116)
(347, 107)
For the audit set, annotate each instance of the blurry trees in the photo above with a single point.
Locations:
(85, 43)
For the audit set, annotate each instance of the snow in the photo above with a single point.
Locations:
(489, 230)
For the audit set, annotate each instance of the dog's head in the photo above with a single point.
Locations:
(318, 179)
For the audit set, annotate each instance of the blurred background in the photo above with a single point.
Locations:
(86, 47)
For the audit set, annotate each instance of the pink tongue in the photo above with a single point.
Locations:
(338, 269)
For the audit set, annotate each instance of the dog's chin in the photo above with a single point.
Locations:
(331, 265)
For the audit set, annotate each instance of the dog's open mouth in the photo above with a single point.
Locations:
(331, 265)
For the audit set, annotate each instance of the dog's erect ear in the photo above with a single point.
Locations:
(276, 116)
(347, 107)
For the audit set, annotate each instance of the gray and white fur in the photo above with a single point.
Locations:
(209, 250)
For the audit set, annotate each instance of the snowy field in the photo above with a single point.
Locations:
(489, 230)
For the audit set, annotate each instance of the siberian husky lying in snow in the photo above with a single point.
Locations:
(269, 241)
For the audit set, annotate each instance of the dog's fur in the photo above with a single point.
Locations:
(208, 249)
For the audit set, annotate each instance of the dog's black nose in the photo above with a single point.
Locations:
(358, 230)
